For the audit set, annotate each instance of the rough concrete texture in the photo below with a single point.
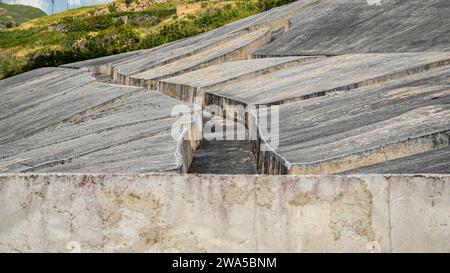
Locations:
(224, 157)
(353, 26)
(370, 108)
(435, 161)
(381, 110)
(326, 75)
(187, 86)
(274, 19)
(239, 48)
(102, 65)
(65, 121)
(191, 213)
(362, 127)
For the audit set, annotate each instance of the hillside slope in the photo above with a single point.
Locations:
(14, 15)
(91, 32)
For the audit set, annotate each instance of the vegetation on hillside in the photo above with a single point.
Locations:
(92, 32)
(14, 15)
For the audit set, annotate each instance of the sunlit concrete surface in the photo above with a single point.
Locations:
(361, 26)
(191, 213)
(360, 89)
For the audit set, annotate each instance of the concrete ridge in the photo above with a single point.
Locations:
(180, 87)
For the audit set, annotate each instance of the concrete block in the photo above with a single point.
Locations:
(190, 213)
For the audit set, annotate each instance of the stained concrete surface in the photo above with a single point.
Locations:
(353, 26)
(224, 157)
(435, 161)
(50, 99)
(224, 213)
(189, 85)
(239, 48)
(327, 75)
(274, 19)
(75, 126)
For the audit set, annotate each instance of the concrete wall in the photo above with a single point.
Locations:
(164, 212)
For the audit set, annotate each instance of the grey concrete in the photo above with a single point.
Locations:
(235, 49)
(191, 213)
(366, 126)
(436, 161)
(65, 121)
(190, 85)
(56, 98)
(98, 62)
(354, 26)
(338, 113)
(28, 90)
(224, 157)
(324, 76)
(273, 19)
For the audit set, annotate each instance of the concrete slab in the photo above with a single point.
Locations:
(64, 120)
(235, 49)
(189, 85)
(191, 213)
(367, 126)
(37, 87)
(273, 19)
(324, 76)
(98, 62)
(353, 26)
(224, 157)
(435, 161)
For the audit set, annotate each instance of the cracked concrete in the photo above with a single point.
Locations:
(363, 92)
(224, 213)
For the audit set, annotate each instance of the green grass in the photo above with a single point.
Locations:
(14, 15)
(78, 34)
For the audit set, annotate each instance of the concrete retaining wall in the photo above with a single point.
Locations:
(164, 212)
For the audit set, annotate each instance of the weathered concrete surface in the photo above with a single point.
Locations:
(366, 126)
(62, 120)
(239, 48)
(274, 19)
(18, 92)
(160, 212)
(436, 161)
(190, 85)
(353, 26)
(324, 76)
(38, 103)
(102, 65)
(65, 120)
